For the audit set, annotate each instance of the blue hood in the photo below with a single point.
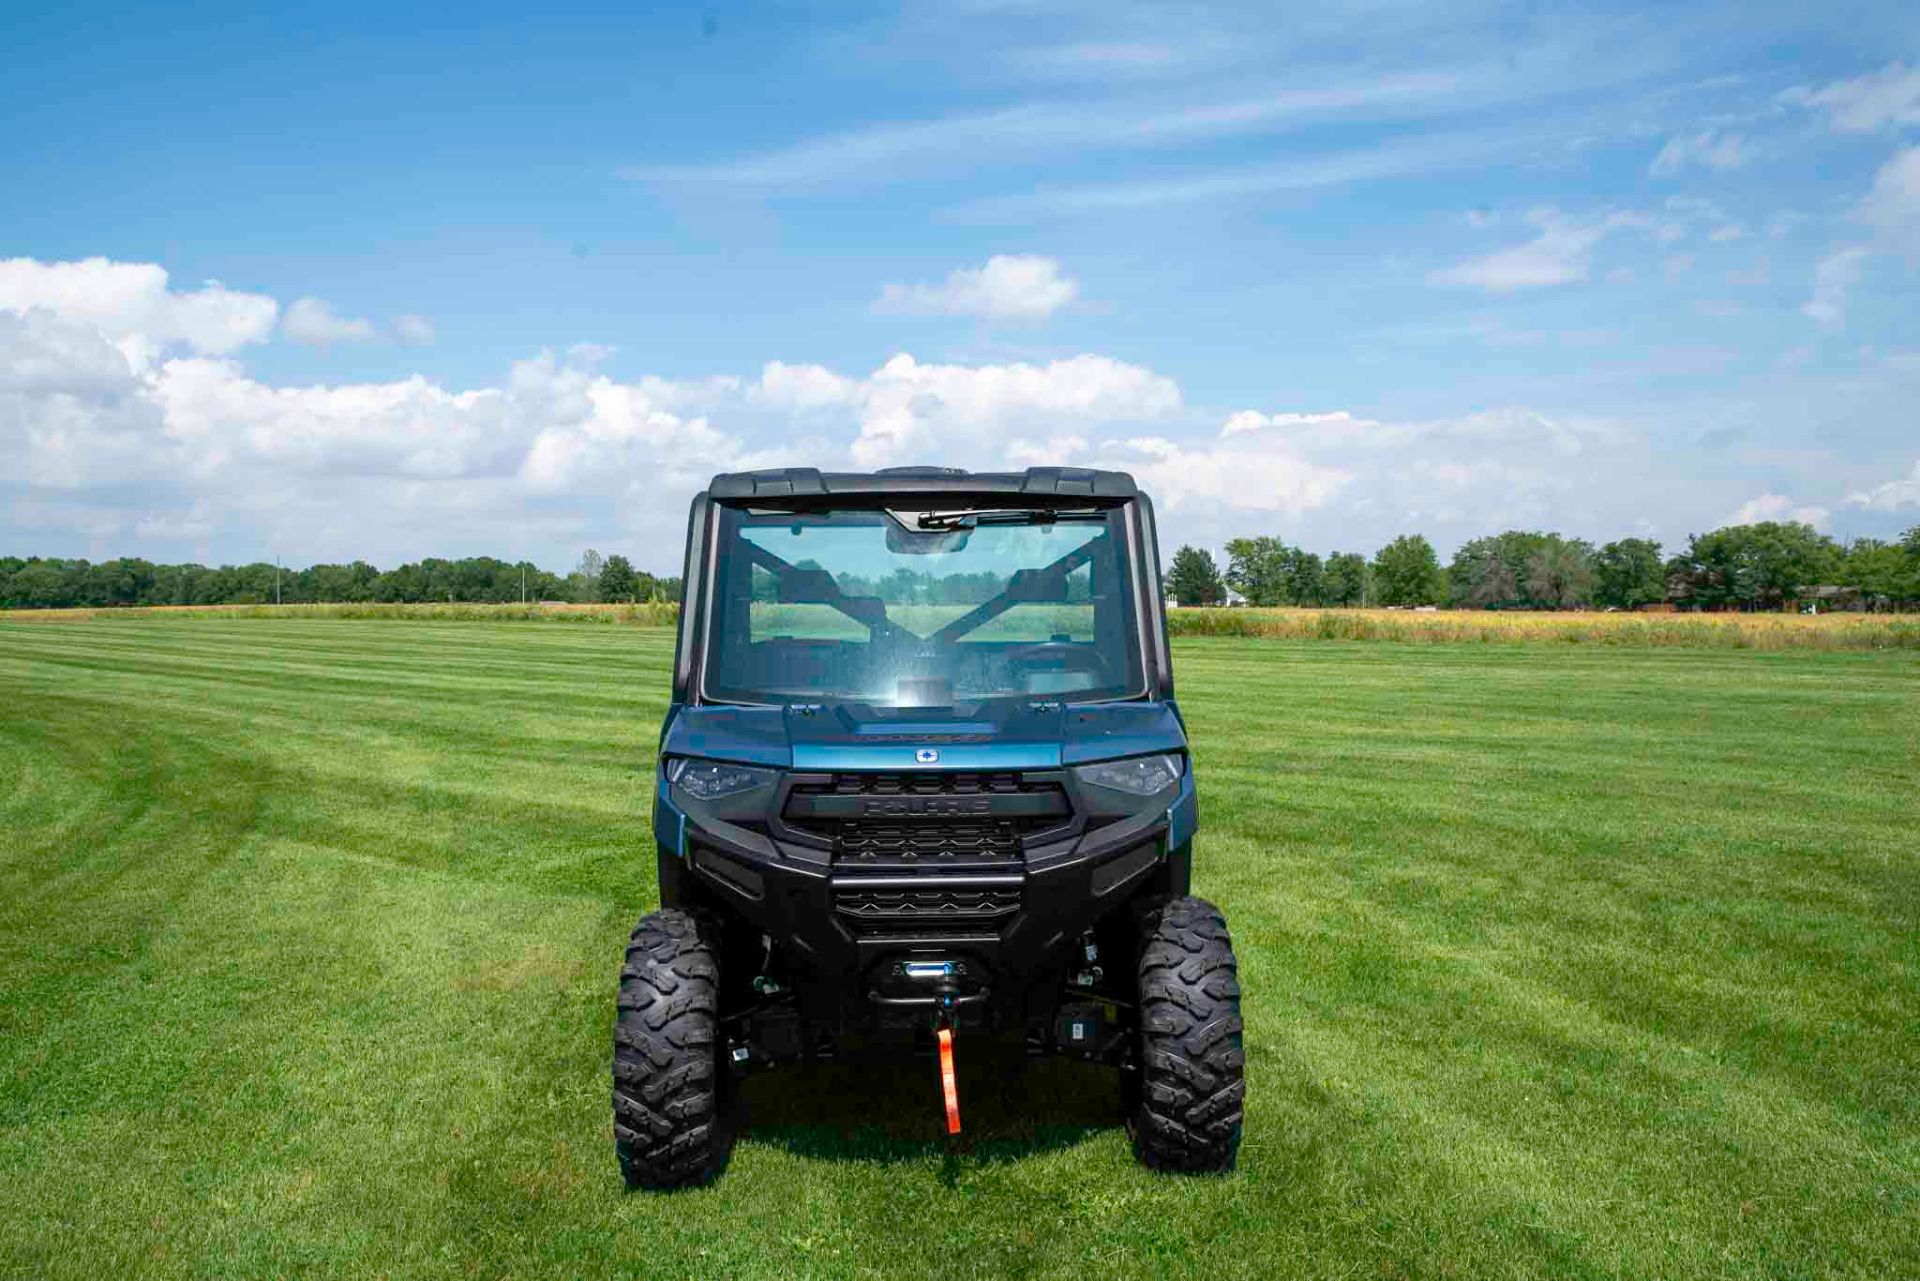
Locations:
(992, 736)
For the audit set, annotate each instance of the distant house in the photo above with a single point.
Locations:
(1824, 599)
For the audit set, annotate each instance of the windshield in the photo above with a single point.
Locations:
(922, 610)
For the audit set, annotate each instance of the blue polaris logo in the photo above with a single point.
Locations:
(926, 756)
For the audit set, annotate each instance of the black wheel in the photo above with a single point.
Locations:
(666, 1055)
(1191, 1093)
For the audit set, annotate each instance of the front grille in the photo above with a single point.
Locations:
(930, 817)
(927, 842)
(962, 830)
(926, 813)
(893, 905)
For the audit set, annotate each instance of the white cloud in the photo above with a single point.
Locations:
(598, 428)
(1484, 434)
(1008, 287)
(43, 354)
(1895, 495)
(682, 395)
(1242, 473)
(192, 445)
(1890, 96)
(986, 415)
(130, 304)
(1562, 253)
(71, 410)
(1709, 149)
(188, 446)
(1055, 451)
(219, 418)
(1777, 507)
(804, 387)
(910, 410)
(1893, 206)
(1488, 469)
(312, 322)
(1835, 275)
(1247, 420)
(413, 331)
(976, 415)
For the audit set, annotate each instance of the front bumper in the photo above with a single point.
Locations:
(1012, 918)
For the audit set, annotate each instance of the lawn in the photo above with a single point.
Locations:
(1559, 962)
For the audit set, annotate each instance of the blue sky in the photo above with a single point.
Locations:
(499, 282)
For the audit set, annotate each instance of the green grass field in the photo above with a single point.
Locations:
(1559, 962)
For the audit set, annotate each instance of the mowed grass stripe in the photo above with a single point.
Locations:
(1567, 963)
(1651, 918)
(456, 665)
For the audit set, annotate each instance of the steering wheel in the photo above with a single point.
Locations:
(1058, 656)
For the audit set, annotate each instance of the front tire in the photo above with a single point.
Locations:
(667, 1127)
(1191, 1093)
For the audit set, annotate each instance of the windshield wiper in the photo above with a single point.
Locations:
(971, 518)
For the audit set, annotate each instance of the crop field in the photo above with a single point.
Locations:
(1415, 627)
(1560, 627)
(1560, 961)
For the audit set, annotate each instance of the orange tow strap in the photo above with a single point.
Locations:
(948, 1086)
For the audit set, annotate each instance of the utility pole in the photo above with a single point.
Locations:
(276, 579)
(523, 582)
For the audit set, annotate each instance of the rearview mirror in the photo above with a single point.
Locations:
(904, 540)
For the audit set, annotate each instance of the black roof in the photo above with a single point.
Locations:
(934, 482)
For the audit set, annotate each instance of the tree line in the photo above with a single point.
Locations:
(1744, 567)
(905, 586)
(52, 583)
(1741, 567)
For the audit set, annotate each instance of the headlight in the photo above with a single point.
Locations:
(710, 780)
(1136, 776)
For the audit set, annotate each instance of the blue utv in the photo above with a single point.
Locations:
(923, 775)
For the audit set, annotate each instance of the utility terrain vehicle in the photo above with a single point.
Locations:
(923, 778)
